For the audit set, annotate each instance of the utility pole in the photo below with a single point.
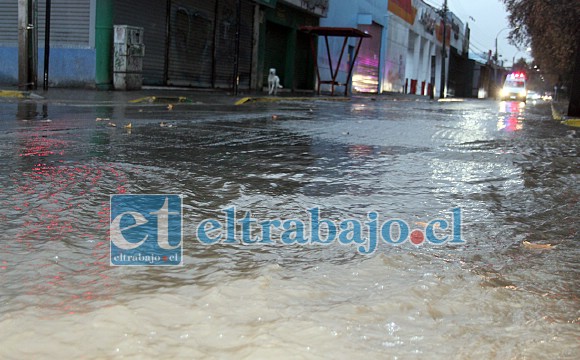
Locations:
(574, 106)
(22, 44)
(444, 49)
(236, 79)
(27, 44)
(46, 44)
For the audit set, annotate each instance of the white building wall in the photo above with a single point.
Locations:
(395, 63)
(411, 44)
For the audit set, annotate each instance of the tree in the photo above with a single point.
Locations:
(553, 31)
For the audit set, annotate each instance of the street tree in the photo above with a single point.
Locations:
(552, 30)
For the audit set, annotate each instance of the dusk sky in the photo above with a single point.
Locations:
(490, 17)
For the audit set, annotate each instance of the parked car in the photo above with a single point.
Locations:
(532, 95)
(547, 96)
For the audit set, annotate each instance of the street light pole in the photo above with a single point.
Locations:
(499, 32)
(443, 50)
(514, 59)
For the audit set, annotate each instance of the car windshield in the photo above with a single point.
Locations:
(512, 83)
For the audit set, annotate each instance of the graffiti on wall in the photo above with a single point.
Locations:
(455, 28)
(318, 7)
(428, 20)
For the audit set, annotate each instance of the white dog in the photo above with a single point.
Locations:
(273, 82)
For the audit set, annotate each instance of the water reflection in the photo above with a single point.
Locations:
(511, 116)
(411, 161)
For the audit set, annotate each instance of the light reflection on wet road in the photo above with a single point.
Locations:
(512, 170)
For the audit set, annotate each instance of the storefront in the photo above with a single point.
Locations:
(283, 47)
(192, 43)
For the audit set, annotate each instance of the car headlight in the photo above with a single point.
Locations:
(504, 92)
(523, 93)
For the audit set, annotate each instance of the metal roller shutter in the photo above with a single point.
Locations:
(70, 22)
(246, 43)
(151, 15)
(8, 22)
(226, 43)
(191, 43)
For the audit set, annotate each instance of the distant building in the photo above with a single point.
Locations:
(404, 53)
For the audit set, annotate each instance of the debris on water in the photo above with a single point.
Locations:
(530, 245)
(110, 124)
(102, 119)
(128, 126)
(164, 124)
(161, 100)
(274, 117)
(170, 107)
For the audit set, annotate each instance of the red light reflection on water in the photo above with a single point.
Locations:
(61, 211)
(512, 116)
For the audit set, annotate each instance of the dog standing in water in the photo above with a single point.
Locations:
(273, 82)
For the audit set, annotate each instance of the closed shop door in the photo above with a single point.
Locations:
(304, 68)
(191, 43)
(275, 52)
(151, 15)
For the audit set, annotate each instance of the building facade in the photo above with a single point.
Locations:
(193, 43)
(73, 55)
(226, 43)
(371, 17)
(415, 49)
(405, 51)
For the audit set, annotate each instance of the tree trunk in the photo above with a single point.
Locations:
(574, 107)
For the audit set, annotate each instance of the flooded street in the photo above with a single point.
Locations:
(504, 294)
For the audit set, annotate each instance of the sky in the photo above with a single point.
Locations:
(488, 17)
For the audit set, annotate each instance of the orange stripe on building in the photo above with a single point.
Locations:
(403, 9)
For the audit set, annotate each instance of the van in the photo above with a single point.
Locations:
(514, 87)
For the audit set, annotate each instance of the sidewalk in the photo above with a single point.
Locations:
(558, 111)
(98, 97)
(165, 95)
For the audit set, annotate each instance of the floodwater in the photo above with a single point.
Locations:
(503, 294)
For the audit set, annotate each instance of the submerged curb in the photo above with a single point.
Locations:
(18, 94)
(249, 99)
(557, 115)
